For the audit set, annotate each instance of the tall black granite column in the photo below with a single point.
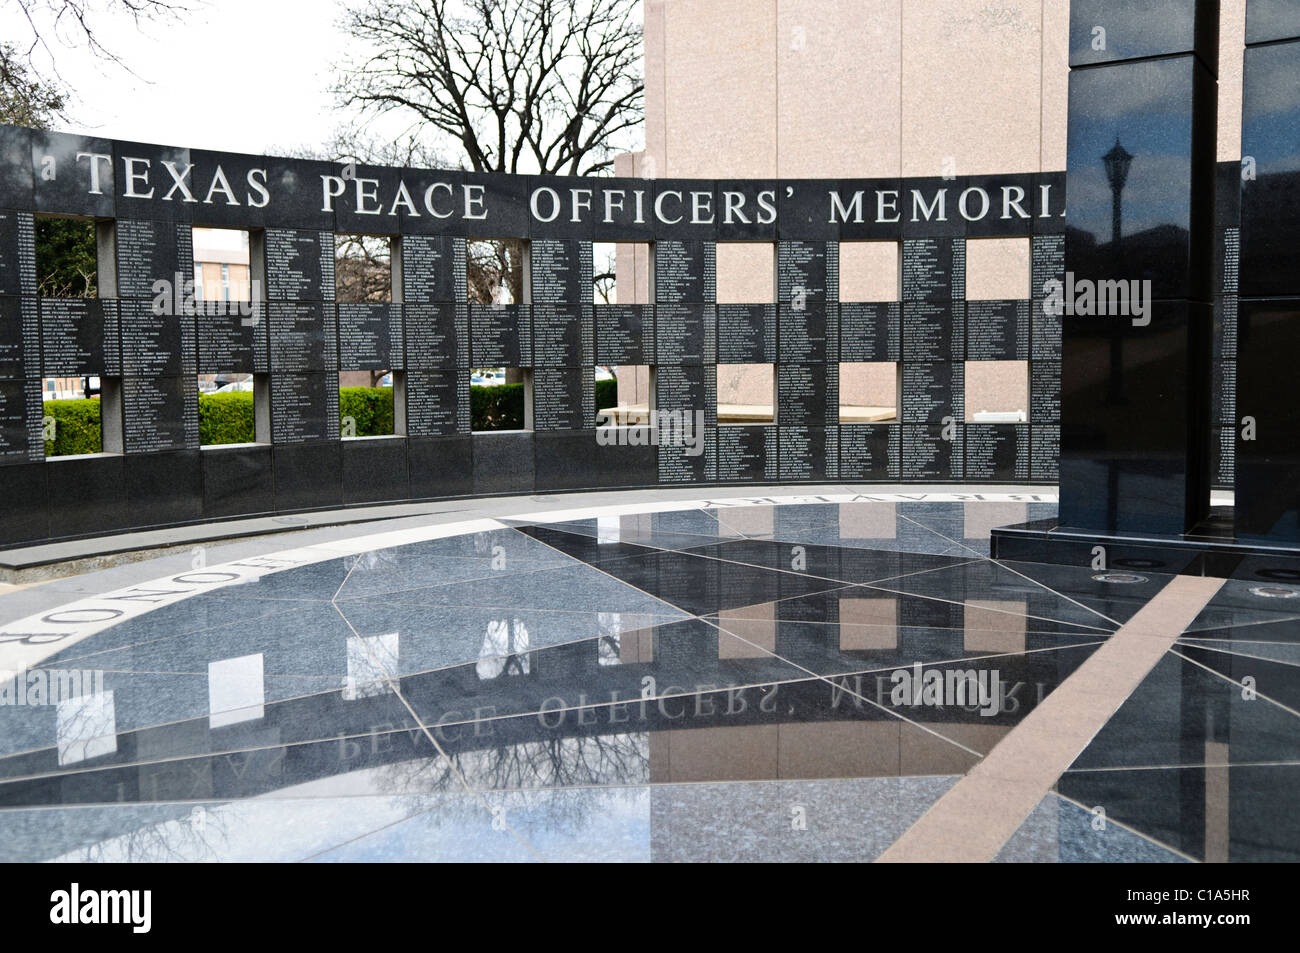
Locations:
(932, 383)
(304, 367)
(435, 317)
(807, 386)
(564, 390)
(1268, 416)
(1135, 381)
(686, 379)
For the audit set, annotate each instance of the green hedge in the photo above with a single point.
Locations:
(228, 418)
(370, 407)
(76, 427)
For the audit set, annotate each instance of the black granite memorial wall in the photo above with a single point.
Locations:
(297, 337)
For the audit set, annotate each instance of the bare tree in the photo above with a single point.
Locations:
(520, 86)
(543, 86)
(73, 24)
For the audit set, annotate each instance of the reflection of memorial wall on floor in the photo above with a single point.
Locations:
(296, 338)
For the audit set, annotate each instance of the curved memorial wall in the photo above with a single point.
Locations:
(148, 343)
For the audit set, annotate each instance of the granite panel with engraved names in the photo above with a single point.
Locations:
(685, 333)
(304, 338)
(299, 265)
(80, 336)
(870, 451)
(685, 272)
(1045, 452)
(996, 452)
(564, 398)
(933, 392)
(563, 335)
(436, 335)
(304, 407)
(933, 330)
(501, 335)
(17, 253)
(997, 330)
(625, 334)
(437, 402)
(156, 344)
(808, 274)
(747, 453)
(232, 337)
(687, 398)
(1046, 264)
(1045, 391)
(160, 413)
(559, 272)
(807, 396)
(21, 413)
(934, 269)
(433, 269)
(808, 453)
(931, 453)
(746, 333)
(20, 337)
(808, 337)
(370, 336)
(155, 259)
(870, 331)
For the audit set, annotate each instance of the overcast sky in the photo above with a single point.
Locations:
(240, 75)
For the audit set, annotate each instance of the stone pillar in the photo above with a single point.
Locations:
(1268, 319)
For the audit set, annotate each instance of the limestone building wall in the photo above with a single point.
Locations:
(867, 88)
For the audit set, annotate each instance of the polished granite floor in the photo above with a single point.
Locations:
(713, 683)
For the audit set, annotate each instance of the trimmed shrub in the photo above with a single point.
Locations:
(76, 427)
(226, 418)
(370, 407)
(500, 407)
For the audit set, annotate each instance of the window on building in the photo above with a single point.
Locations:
(223, 265)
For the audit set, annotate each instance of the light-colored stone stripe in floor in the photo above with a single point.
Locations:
(980, 812)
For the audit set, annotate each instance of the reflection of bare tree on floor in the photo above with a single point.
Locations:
(575, 765)
(200, 835)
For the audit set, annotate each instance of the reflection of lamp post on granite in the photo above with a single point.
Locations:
(1117, 162)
